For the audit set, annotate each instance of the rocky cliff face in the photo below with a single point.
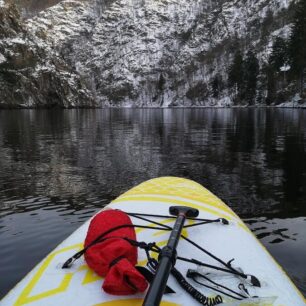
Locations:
(32, 75)
(132, 52)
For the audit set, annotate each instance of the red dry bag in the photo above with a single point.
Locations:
(114, 258)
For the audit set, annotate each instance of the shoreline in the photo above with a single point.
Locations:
(302, 106)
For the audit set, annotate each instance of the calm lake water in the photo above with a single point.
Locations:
(59, 167)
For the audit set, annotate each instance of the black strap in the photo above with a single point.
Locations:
(203, 264)
(67, 264)
(116, 260)
(222, 220)
(201, 221)
(193, 274)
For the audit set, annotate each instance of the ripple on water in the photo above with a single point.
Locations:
(34, 235)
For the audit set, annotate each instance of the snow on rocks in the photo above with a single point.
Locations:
(40, 76)
(151, 53)
(2, 59)
(296, 102)
(133, 45)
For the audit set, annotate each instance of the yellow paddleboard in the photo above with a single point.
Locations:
(49, 285)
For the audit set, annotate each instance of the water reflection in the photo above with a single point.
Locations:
(58, 167)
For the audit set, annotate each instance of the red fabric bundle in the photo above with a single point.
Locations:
(114, 258)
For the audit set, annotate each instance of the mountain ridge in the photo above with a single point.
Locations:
(140, 53)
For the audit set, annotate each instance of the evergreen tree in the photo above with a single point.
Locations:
(251, 70)
(261, 87)
(216, 85)
(235, 72)
(235, 76)
(271, 83)
(298, 43)
(161, 83)
(279, 56)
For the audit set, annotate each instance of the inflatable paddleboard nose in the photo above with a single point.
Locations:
(189, 212)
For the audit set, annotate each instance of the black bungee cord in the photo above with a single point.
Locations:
(67, 264)
(178, 276)
(167, 227)
(253, 280)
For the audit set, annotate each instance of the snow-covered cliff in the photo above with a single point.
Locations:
(133, 52)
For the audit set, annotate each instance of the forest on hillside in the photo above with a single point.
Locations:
(278, 78)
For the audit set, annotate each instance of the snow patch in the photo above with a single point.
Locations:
(225, 101)
(18, 41)
(283, 32)
(2, 58)
(296, 102)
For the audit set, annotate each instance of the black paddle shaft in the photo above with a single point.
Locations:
(167, 256)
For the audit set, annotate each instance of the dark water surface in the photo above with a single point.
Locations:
(58, 167)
